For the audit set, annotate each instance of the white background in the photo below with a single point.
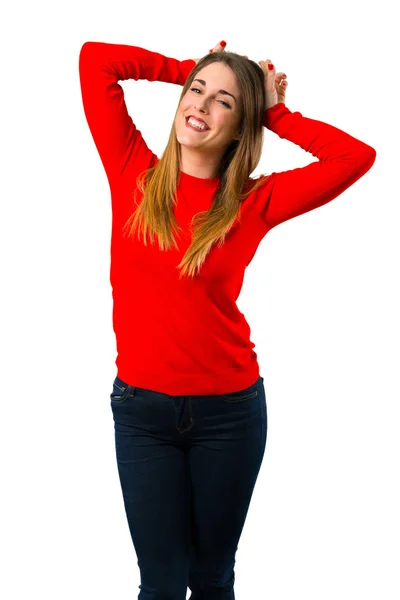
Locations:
(321, 296)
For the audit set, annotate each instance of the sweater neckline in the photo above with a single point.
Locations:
(191, 179)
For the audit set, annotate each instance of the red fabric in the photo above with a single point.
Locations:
(188, 337)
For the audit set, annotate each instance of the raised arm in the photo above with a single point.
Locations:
(342, 160)
(101, 66)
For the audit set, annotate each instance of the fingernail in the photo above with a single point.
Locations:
(270, 67)
(223, 43)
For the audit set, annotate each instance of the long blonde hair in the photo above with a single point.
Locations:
(158, 184)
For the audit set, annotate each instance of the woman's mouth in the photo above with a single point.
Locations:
(195, 128)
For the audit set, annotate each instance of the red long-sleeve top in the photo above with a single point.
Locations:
(187, 336)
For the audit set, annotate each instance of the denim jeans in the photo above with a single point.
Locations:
(187, 467)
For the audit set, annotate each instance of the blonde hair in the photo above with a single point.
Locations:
(158, 184)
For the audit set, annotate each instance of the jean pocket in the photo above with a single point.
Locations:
(120, 391)
(241, 395)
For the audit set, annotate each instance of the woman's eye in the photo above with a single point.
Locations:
(197, 90)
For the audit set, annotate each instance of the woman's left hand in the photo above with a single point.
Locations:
(218, 48)
(275, 84)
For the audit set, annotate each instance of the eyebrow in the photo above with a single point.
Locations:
(219, 91)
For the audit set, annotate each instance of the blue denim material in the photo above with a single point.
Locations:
(187, 467)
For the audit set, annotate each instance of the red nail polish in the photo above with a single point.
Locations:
(223, 43)
(270, 67)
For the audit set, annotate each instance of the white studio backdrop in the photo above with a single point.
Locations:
(321, 297)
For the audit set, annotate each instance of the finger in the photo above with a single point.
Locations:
(219, 47)
(269, 70)
(264, 64)
(279, 74)
(281, 80)
(278, 77)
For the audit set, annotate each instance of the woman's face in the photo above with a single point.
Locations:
(220, 111)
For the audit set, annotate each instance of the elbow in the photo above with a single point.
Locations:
(361, 159)
(83, 51)
(86, 48)
(366, 159)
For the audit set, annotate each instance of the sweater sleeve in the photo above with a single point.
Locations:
(101, 66)
(342, 160)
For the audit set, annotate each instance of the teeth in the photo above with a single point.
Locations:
(197, 124)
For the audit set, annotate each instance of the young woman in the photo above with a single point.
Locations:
(188, 401)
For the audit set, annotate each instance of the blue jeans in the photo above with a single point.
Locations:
(187, 467)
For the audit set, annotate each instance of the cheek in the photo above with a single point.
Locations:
(184, 103)
(224, 122)
(183, 110)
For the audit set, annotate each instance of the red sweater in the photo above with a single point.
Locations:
(188, 337)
